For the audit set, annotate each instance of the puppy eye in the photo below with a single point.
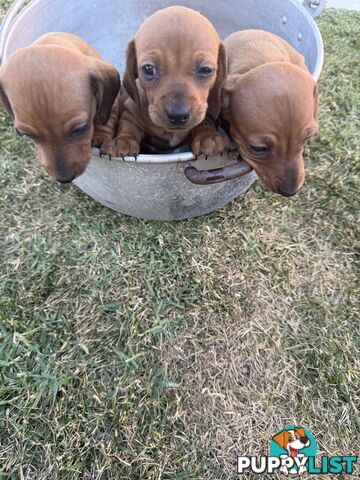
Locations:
(310, 135)
(77, 132)
(149, 71)
(205, 72)
(259, 149)
(28, 135)
(309, 139)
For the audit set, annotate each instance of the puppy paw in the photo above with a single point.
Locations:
(209, 143)
(126, 147)
(108, 147)
(99, 139)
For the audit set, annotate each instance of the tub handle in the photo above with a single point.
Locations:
(218, 175)
(7, 21)
(314, 7)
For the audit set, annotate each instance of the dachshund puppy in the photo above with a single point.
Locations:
(61, 94)
(175, 69)
(270, 102)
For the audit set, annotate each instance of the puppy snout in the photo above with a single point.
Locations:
(66, 180)
(62, 170)
(285, 193)
(291, 183)
(304, 440)
(178, 114)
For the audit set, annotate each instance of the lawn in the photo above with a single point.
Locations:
(133, 350)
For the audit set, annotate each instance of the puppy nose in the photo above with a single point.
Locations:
(288, 194)
(67, 180)
(178, 114)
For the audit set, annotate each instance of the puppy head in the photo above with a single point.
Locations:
(272, 111)
(54, 95)
(283, 438)
(180, 65)
(293, 440)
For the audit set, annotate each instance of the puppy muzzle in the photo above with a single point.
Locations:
(291, 193)
(178, 115)
(304, 440)
(65, 180)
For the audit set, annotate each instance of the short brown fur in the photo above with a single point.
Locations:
(270, 101)
(52, 88)
(176, 41)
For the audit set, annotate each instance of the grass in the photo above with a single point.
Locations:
(139, 350)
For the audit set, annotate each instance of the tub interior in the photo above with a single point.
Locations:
(110, 25)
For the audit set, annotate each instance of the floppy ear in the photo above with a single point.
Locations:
(131, 73)
(231, 82)
(281, 438)
(5, 101)
(105, 82)
(300, 431)
(214, 100)
(228, 88)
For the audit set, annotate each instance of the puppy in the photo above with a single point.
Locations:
(61, 94)
(293, 441)
(270, 102)
(175, 69)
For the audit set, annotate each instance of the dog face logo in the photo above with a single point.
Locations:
(293, 452)
(293, 445)
(292, 440)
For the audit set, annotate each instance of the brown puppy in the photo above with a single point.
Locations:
(270, 101)
(175, 69)
(61, 94)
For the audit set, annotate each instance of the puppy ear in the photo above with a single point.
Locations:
(231, 82)
(105, 82)
(228, 89)
(300, 431)
(214, 100)
(281, 438)
(5, 101)
(225, 101)
(131, 73)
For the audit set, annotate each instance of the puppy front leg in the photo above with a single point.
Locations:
(207, 140)
(103, 134)
(128, 138)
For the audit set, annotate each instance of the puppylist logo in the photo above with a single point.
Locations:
(293, 452)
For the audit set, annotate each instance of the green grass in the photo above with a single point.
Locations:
(139, 350)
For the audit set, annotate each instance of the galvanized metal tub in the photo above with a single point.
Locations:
(159, 187)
